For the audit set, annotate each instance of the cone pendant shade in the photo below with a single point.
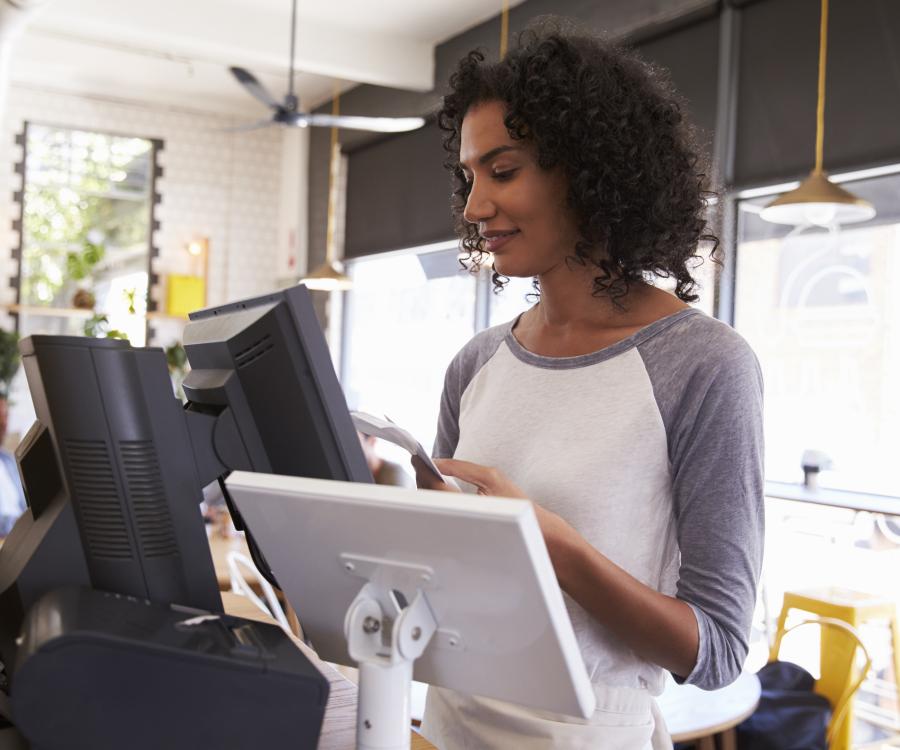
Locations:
(328, 278)
(818, 201)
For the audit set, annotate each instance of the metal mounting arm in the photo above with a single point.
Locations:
(385, 638)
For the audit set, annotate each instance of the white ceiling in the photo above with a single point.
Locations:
(177, 52)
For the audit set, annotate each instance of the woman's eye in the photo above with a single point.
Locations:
(504, 175)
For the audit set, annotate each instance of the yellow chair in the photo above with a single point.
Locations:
(839, 679)
(852, 608)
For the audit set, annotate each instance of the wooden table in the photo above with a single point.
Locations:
(220, 546)
(694, 715)
(339, 726)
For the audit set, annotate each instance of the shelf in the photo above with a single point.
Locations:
(166, 316)
(867, 501)
(77, 312)
(54, 312)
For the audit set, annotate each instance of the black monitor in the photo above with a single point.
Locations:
(114, 467)
(111, 449)
(263, 393)
(263, 363)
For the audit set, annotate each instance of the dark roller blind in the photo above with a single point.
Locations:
(779, 43)
(398, 193)
(691, 55)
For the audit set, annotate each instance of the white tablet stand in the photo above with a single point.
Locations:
(456, 590)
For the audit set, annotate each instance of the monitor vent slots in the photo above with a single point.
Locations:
(97, 499)
(254, 351)
(148, 498)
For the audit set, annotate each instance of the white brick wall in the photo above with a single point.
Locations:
(217, 184)
(221, 185)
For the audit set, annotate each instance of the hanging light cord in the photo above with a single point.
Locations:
(333, 167)
(504, 29)
(820, 107)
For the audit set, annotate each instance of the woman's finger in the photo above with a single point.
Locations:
(425, 478)
(488, 480)
(469, 472)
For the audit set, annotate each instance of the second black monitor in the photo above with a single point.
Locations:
(266, 360)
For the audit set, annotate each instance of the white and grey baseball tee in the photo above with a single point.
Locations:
(652, 449)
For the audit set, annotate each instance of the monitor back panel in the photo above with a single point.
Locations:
(503, 627)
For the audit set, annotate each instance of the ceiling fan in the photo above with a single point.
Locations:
(288, 112)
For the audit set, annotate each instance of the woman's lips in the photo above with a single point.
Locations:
(493, 243)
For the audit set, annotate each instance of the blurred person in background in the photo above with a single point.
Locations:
(12, 497)
(384, 471)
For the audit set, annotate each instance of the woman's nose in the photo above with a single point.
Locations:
(479, 205)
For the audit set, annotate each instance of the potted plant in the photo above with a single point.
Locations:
(9, 361)
(97, 327)
(80, 266)
(176, 357)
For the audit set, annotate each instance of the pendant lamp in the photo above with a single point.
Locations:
(818, 201)
(504, 28)
(330, 276)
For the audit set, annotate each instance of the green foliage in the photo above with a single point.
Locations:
(80, 264)
(129, 298)
(86, 200)
(9, 360)
(176, 356)
(97, 326)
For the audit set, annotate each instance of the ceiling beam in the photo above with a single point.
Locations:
(256, 39)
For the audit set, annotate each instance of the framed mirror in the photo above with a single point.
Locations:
(86, 239)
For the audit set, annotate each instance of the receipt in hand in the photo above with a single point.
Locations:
(387, 430)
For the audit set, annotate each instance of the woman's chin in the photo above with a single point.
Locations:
(509, 268)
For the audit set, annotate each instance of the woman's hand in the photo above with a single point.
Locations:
(493, 482)
(487, 480)
(426, 480)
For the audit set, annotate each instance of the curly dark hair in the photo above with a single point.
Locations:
(614, 124)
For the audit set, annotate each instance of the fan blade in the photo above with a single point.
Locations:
(249, 126)
(256, 89)
(374, 124)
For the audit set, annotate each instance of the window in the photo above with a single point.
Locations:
(818, 309)
(87, 205)
(408, 314)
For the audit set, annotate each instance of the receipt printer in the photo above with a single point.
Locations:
(102, 671)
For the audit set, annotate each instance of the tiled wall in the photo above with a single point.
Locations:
(222, 185)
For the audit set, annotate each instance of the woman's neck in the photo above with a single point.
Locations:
(569, 320)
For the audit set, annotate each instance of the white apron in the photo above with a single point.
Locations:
(625, 719)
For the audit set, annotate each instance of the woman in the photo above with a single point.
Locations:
(632, 421)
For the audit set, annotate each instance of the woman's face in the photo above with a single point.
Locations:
(519, 208)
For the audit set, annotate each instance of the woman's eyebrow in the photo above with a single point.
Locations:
(486, 157)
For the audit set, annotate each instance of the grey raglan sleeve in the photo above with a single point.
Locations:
(448, 419)
(465, 365)
(711, 402)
